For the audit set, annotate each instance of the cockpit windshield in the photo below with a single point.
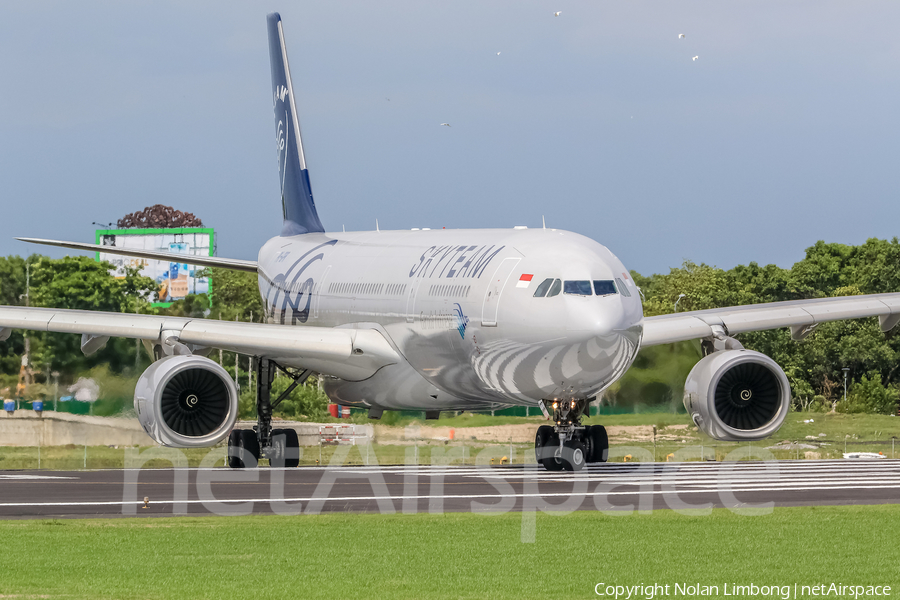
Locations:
(601, 287)
(578, 288)
(604, 287)
(548, 287)
(541, 290)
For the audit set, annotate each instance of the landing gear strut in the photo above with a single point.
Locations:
(280, 446)
(568, 444)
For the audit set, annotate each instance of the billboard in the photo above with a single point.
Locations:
(175, 279)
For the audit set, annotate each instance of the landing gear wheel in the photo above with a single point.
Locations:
(574, 457)
(233, 458)
(552, 460)
(546, 448)
(542, 446)
(287, 448)
(251, 444)
(243, 447)
(597, 444)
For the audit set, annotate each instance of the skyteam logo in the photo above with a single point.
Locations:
(289, 294)
(462, 321)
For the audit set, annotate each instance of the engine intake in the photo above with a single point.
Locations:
(737, 395)
(186, 402)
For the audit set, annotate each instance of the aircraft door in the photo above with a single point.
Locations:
(320, 291)
(411, 301)
(491, 304)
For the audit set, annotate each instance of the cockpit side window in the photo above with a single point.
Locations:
(604, 287)
(541, 290)
(623, 289)
(555, 288)
(578, 288)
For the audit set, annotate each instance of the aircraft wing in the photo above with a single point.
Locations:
(802, 316)
(352, 354)
(190, 259)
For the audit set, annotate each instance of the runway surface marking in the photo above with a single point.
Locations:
(426, 497)
(456, 488)
(32, 477)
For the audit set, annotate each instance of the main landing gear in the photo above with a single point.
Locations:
(280, 446)
(569, 445)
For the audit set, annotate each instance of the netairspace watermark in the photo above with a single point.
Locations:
(789, 591)
(518, 489)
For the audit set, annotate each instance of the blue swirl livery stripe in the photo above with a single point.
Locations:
(281, 288)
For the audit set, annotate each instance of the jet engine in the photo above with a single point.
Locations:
(186, 402)
(737, 395)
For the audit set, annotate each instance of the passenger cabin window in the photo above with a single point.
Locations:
(577, 288)
(623, 289)
(604, 287)
(542, 289)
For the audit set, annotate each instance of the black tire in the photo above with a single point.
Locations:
(542, 442)
(233, 458)
(250, 444)
(286, 444)
(597, 444)
(574, 456)
(551, 458)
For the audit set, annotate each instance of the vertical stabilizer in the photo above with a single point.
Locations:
(296, 194)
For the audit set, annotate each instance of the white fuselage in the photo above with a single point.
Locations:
(455, 305)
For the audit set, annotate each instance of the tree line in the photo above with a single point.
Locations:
(813, 366)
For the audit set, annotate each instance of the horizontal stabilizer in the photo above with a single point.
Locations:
(190, 259)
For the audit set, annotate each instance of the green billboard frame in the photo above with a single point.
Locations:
(99, 233)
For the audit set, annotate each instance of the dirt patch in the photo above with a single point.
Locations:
(519, 433)
(498, 433)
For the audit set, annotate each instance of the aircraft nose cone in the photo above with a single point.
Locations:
(596, 317)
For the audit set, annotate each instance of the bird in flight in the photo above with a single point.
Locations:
(557, 13)
(447, 124)
(680, 36)
(695, 58)
(498, 54)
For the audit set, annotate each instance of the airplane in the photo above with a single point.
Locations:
(436, 320)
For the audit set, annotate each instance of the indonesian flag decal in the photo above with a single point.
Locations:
(524, 280)
(628, 280)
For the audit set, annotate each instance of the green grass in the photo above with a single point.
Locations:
(443, 556)
(862, 427)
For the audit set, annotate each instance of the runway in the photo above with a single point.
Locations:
(691, 487)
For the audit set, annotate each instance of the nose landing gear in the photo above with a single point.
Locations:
(569, 445)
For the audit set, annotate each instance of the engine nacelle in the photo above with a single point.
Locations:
(737, 395)
(186, 402)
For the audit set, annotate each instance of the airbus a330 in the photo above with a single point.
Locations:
(436, 320)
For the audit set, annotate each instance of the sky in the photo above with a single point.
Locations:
(782, 132)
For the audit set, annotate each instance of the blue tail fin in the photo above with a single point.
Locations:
(296, 194)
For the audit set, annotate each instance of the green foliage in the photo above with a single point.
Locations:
(192, 306)
(814, 366)
(870, 396)
(85, 284)
(235, 295)
(656, 379)
(306, 402)
(12, 293)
